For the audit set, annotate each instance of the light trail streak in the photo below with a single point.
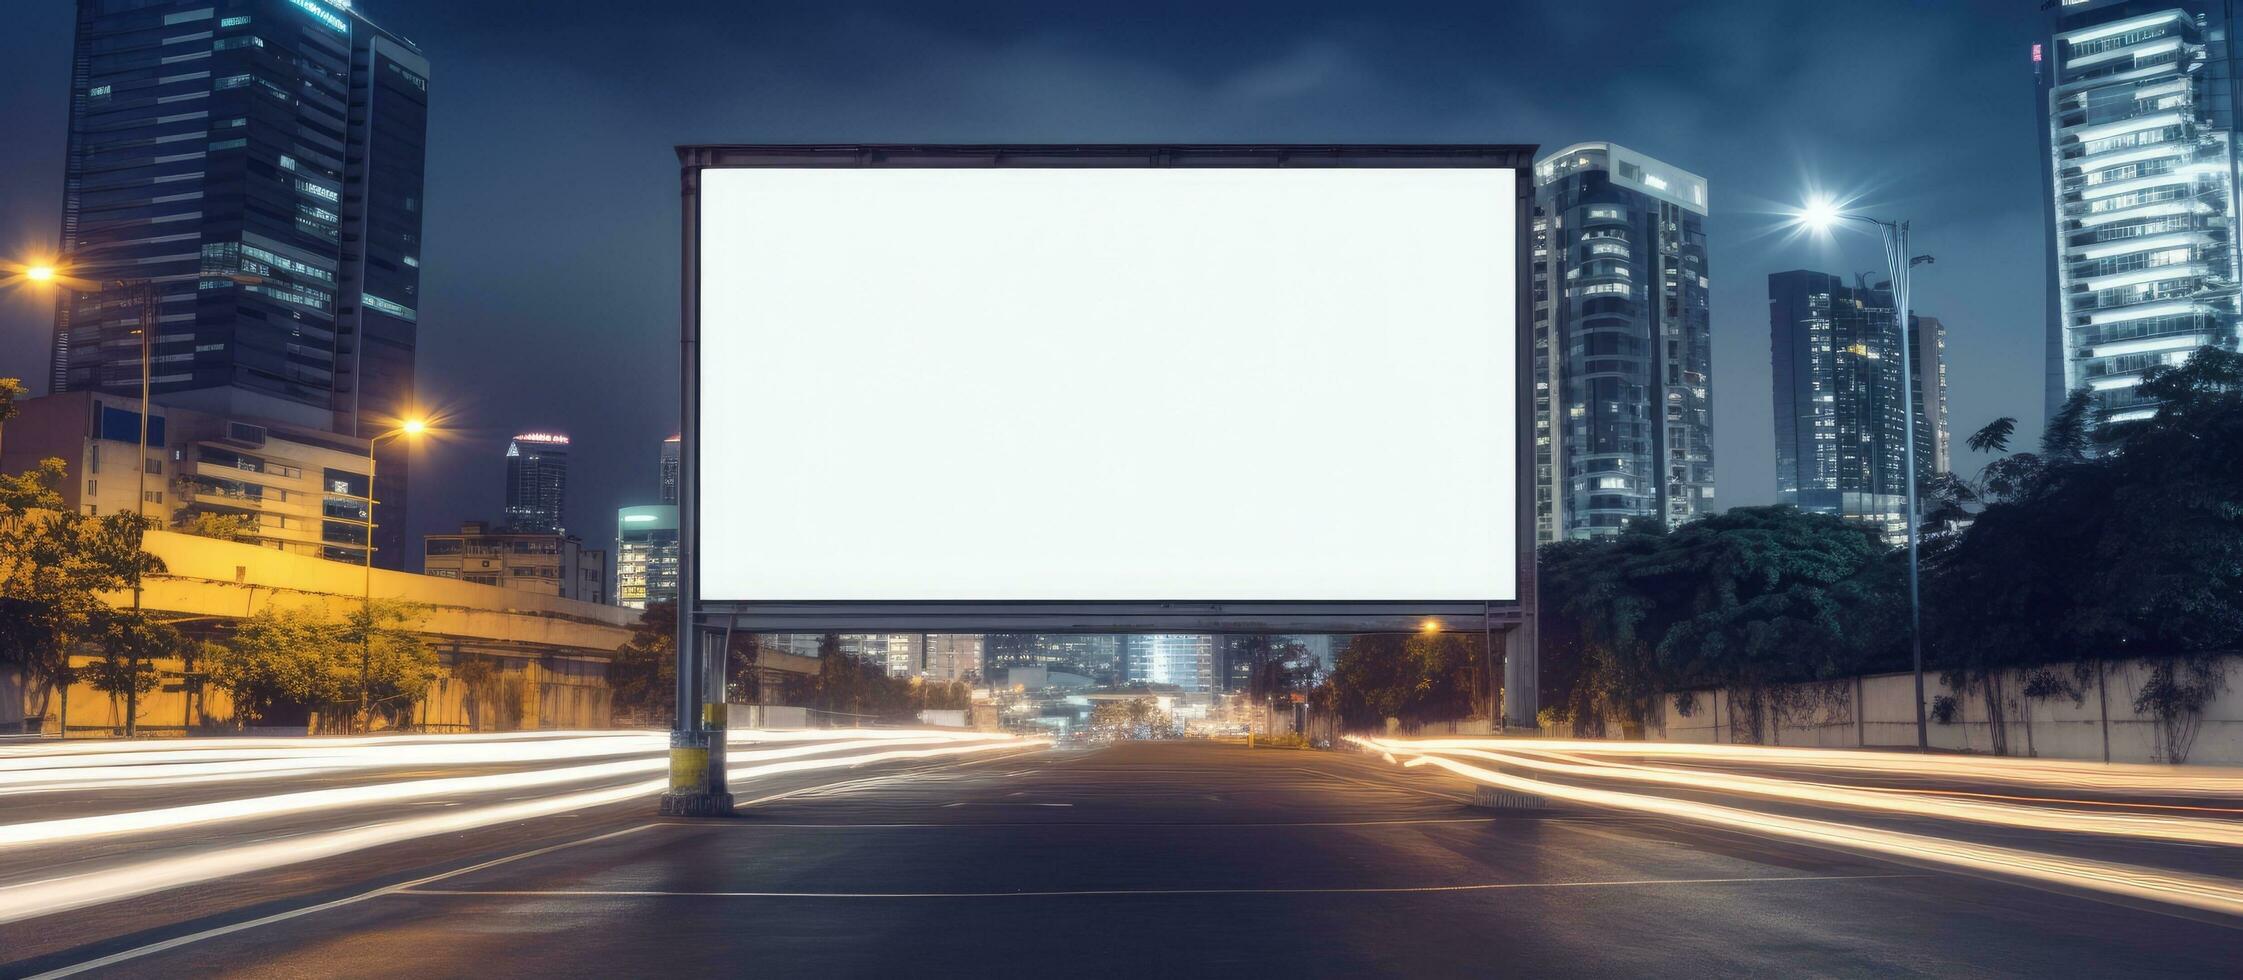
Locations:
(133, 775)
(2176, 888)
(54, 747)
(49, 896)
(140, 766)
(255, 808)
(2066, 774)
(2139, 826)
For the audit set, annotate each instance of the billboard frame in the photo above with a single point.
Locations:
(1094, 616)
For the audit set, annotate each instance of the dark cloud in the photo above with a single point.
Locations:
(551, 269)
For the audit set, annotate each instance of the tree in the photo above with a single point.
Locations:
(2126, 541)
(277, 659)
(224, 527)
(301, 659)
(397, 666)
(1414, 678)
(55, 567)
(643, 673)
(11, 390)
(1744, 600)
(131, 643)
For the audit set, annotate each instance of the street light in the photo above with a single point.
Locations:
(406, 429)
(1821, 214)
(146, 295)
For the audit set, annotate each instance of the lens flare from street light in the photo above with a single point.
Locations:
(1430, 626)
(39, 273)
(1820, 213)
(413, 427)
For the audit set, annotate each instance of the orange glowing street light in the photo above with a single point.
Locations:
(407, 428)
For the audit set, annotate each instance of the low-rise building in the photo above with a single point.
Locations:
(294, 489)
(544, 563)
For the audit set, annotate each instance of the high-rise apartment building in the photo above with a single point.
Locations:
(537, 480)
(1092, 655)
(1623, 344)
(280, 140)
(1182, 660)
(670, 449)
(1841, 408)
(951, 657)
(646, 555)
(1928, 364)
(2140, 101)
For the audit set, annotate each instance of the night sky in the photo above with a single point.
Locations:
(550, 268)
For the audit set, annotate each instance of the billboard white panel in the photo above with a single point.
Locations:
(1120, 384)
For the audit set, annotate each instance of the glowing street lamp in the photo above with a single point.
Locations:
(1820, 214)
(406, 429)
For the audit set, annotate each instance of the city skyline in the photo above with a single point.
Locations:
(493, 237)
(250, 181)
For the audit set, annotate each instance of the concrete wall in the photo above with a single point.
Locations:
(549, 654)
(1878, 711)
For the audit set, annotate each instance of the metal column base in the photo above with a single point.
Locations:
(696, 776)
(696, 804)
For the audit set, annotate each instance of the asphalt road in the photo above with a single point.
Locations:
(1141, 860)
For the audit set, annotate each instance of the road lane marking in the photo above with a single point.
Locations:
(176, 942)
(870, 780)
(1113, 892)
(213, 933)
(1466, 800)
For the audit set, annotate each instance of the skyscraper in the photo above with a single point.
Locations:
(537, 478)
(2140, 102)
(1930, 370)
(1839, 403)
(1184, 660)
(670, 450)
(1623, 344)
(276, 139)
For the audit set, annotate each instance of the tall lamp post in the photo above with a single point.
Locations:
(405, 429)
(1821, 214)
(146, 295)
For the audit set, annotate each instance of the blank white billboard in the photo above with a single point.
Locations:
(1121, 384)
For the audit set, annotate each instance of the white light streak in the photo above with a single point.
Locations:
(2171, 887)
(31, 899)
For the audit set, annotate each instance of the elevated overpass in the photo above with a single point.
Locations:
(548, 654)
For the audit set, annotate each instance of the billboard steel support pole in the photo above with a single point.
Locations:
(697, 783)
(1522, 665)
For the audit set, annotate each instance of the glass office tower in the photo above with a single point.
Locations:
(2139, 102)
(1623, 346)
(275, 139)
(1839, 409)
(537, 481)
(670, 460)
